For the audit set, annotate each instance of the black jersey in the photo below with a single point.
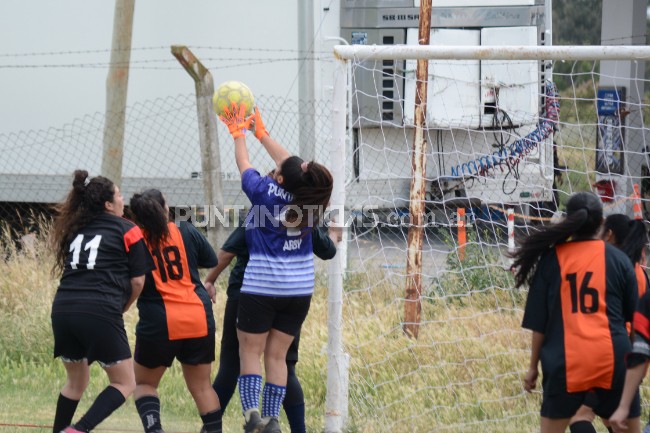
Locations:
(322, 245)
(581, 295)
(103, 257)
(174, 305)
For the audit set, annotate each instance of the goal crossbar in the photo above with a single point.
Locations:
(489, 52)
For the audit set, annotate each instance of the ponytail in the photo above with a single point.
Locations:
(583, 219)
(311, 184)
(149, 213)
(85, 201)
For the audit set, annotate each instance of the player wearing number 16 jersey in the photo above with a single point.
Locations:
(582, 292)
(176, 319)
(104, 259)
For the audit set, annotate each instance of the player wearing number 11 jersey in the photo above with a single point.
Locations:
(582, 292)
(104, 259)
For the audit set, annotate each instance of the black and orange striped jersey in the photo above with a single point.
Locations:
(103, 257)
(581, 295)
(641, 348)
(174, 304)
(642, 285)
(641, 279)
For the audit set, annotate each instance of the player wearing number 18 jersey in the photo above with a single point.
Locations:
(582, 292)
(104, 259)
(176, 319)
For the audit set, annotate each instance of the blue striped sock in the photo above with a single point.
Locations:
(272, 399)
(250, 386)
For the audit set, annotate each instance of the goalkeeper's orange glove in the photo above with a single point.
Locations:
(260, 129)
(236, 121)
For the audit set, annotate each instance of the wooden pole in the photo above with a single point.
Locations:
(208, 140)
(413, 305)
(117, 85)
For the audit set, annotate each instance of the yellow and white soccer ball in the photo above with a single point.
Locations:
(232, 91)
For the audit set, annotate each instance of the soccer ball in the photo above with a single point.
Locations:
(232, 91)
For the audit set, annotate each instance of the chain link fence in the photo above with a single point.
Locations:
(161, 150)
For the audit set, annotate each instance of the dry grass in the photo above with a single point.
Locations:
(463, 373)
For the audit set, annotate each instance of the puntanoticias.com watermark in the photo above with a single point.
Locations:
(276, 216)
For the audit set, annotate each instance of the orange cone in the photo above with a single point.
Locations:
(462, 233)
(636, 207)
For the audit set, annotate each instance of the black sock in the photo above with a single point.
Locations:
(65, 409)
(149, 410)
(224, 392)
(105, 403)
(294, 401)
(212, 421)
(296, 418)
(582, 427)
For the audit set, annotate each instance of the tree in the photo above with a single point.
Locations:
(577, 22)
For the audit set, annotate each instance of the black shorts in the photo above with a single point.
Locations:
(159, 353)
(258, 314)
(602, 401)
(79, 336)
(229, 341)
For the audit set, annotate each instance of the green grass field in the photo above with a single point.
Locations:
(463, 373)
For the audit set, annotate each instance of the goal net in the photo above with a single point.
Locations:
(503, 135)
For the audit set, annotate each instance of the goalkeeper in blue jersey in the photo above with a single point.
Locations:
(279, 278)
(226, 379)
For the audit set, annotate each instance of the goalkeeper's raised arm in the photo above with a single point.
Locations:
(237, 122)
(275, 149)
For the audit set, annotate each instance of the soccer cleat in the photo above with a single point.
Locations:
(71, 429)
(254, 423)
(273, 426)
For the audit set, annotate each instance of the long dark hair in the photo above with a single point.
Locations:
(584, 216)
(619, 225)
(635, 241)
(630, 236)
(311, 185)
(83, 204)
(148, 210)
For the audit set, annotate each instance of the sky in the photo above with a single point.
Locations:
(39, 36)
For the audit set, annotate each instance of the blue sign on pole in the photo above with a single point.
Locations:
(608, 102)
(610, 139)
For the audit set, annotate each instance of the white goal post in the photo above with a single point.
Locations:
(486, 52)
(369, 197)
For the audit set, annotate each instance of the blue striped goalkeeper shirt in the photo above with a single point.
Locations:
(281, 260)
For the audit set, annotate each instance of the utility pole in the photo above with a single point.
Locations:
(306, 92)
(117, 85)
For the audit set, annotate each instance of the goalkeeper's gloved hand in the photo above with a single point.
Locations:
(236, 121)
(260, 129)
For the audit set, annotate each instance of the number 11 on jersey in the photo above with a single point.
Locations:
(92, 245)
